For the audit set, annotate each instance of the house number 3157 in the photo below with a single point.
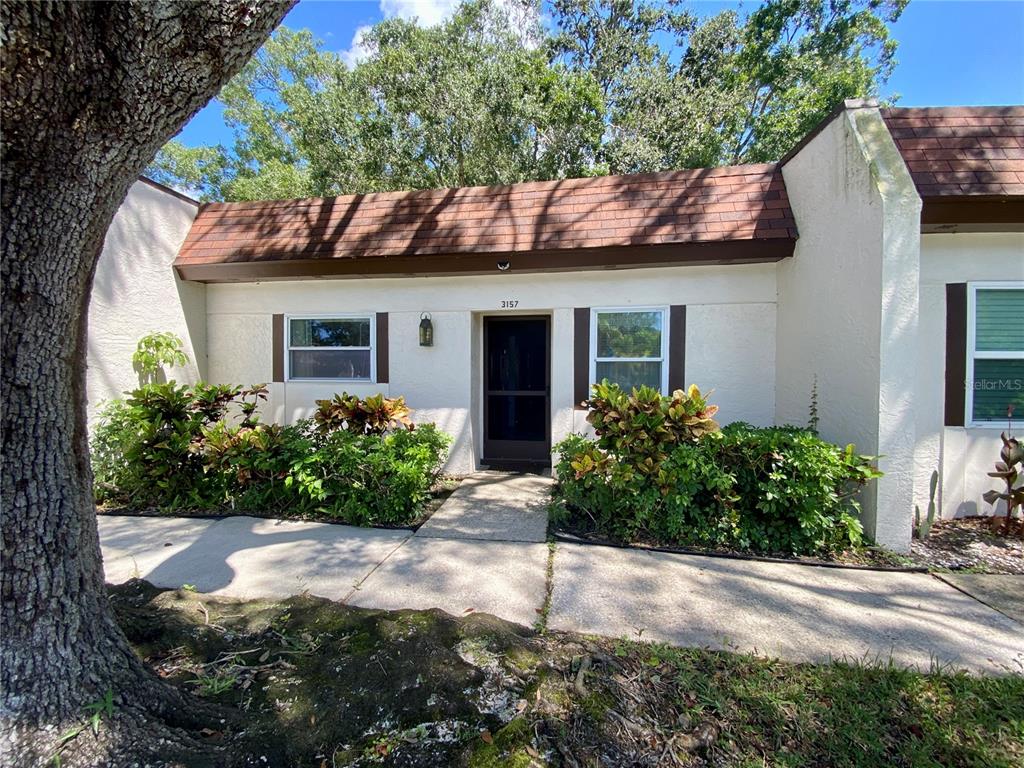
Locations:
(509, 303)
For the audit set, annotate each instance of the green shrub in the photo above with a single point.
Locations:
(373, 415)
(252, 464)
(146, 450)
(170, 446)
(373, 479)
(156, 350)
(114, 434)
(777, 489)
(641, 426)
(794, 491)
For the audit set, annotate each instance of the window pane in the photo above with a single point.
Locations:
(997, 384)
(629, 334)
(330, 364)
(331, 333)
(1000, 320)
(629, 375)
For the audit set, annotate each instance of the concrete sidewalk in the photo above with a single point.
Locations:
(494, 506)
(245, 556)
(796, 612)
(369, 567)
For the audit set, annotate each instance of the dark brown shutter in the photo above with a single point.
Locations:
(382, 347)
(278, 348)
(676, 347)
(956, 353)
(581, 356)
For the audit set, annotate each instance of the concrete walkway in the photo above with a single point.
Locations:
(494, 506)
(369, 567)
(1005, 593)
(796, 612)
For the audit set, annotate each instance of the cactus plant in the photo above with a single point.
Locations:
(924, 527)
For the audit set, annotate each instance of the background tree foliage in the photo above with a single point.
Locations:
(495, 96)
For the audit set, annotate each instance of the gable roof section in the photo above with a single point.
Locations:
(730, 214)
(170, 191)
(967, 162)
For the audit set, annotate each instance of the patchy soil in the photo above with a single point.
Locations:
(976, 544)
(443, 488)
(315, 683)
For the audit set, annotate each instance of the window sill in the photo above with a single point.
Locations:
(330, 381)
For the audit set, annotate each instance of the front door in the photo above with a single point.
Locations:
(516, 393)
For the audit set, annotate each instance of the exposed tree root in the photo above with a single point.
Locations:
(150, 722)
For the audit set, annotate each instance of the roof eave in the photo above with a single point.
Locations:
(973, 213)
(529, 262)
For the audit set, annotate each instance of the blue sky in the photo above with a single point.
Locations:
(952, 52)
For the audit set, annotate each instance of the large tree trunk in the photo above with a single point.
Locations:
(90, 91)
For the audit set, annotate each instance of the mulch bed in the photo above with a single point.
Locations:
(972, 543)
(444, 488)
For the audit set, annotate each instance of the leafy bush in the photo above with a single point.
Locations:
(146, 450)
(777, 489)
(794, 490)
(252, 464)
(367, 479)
(375, 415)
(171, 446)
(156, 350)
(641, 426)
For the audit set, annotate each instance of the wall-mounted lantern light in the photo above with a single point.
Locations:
(426, 330)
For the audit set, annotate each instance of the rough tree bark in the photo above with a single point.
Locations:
(90, 91)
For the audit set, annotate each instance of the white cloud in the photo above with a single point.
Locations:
(430, 13)
(357, 51)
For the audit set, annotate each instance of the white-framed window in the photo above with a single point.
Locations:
(995, 352)
(331, 348)
(629, 346)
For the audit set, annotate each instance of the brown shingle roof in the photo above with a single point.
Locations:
(737, 203)
(961, 150)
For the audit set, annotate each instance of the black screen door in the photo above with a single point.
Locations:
(516, 392)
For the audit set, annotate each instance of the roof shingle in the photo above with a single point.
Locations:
(736, 203)
(956, 151)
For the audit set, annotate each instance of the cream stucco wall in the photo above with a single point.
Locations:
(860, 308)
(730, 338)
(847, 306)
(962, 456)
(730, 349)
(135, 292)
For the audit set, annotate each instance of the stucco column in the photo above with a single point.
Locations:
(848, 305)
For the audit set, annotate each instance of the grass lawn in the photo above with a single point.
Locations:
(314, 683)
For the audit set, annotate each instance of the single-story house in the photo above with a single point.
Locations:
(880, 263)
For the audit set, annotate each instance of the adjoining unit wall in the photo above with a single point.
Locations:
(730, 337)
(136, 292)
(847, 306)
(961, 455)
